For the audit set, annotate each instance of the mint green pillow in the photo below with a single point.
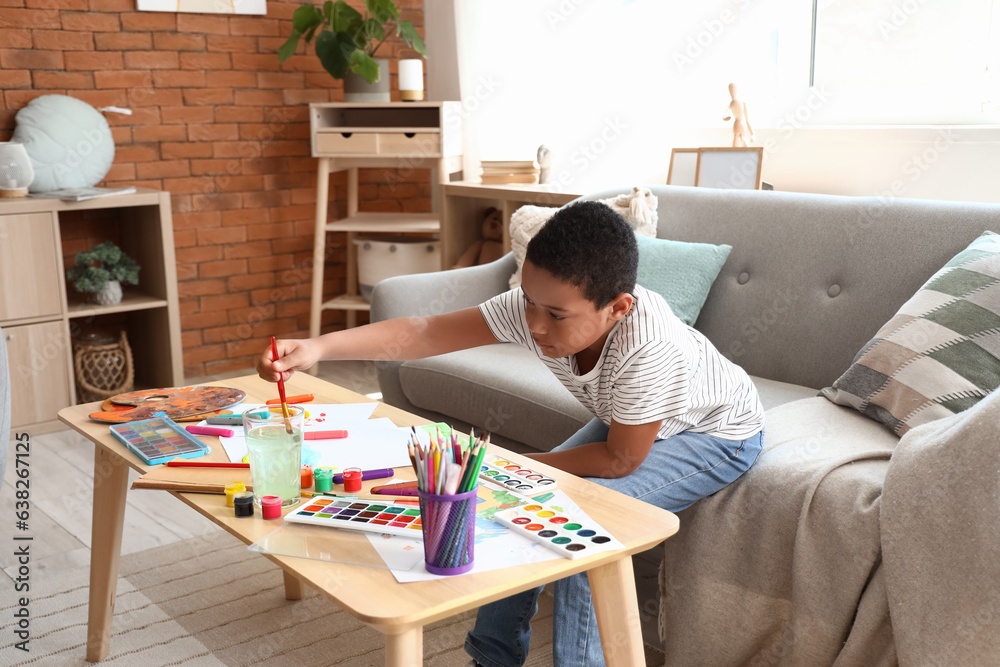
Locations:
(682, 273)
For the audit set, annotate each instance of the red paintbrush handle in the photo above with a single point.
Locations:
(205, 464)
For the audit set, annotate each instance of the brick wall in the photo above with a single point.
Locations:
(224, 128)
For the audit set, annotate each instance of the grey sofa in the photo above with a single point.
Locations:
(783, 567)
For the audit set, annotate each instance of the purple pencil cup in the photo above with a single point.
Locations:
(449, 528)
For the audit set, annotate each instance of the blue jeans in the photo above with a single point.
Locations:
(677, 472)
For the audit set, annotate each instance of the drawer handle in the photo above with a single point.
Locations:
(409, 135)
(346, 135)
(10, 336)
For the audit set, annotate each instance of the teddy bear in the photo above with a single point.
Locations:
(490, 247)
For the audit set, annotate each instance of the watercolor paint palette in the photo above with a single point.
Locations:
(159, 440)
(515, 476)
(359, 514)
(557, 530)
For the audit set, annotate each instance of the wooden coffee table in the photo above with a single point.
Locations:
(372, 595)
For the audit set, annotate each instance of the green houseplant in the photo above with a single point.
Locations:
(100, 272)
(346, 39)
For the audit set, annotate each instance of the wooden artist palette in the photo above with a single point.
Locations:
(174, 402)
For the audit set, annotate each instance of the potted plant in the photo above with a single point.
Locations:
(347, 41)
(100, 272)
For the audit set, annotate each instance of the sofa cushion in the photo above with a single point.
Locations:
(773, 393)
(637, 207)
(940, 353)
(682, 273)
(502, 388)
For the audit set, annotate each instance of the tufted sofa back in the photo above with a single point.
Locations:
(811, 278)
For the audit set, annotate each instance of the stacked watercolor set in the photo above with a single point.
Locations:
(557, 530)
(515, 477)
(159, 440)
(394, 518)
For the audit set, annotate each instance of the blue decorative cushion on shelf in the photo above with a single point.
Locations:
(682, 273)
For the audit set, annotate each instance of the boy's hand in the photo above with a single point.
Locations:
(293, 355)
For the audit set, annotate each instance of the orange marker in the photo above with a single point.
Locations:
(301, 398)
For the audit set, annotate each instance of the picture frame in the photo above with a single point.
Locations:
(717, 167)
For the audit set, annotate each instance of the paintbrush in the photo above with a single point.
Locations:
(281, 390)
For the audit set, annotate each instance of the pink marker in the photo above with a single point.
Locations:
(210, 430)
(324, 435)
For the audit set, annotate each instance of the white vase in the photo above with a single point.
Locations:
(110, 295)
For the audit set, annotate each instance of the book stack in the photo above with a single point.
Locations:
(496, 172)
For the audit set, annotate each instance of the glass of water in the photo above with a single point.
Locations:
(275, 453)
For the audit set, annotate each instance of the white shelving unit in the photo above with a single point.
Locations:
(351, 136)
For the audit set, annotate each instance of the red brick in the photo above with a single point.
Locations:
(148, 96)
(140, 116)
(151, 60)
(196, 220)
(160, 133)
(213, 132)
(194, 370)
(224, 333)
(238, 115)
(230, 365)
(191, 338)
(280, 80)
(18, 39)
(268, 199)
(326, 81)
(63, 40)
(205, 353)
(201, 287)
(228, 78)
(253, 26)
(256, 62)
(186, 115)
(222, 235)
(199, 185)
(33, 59)
(122, 135)
(206, 61)
(71, 80)
(257, 98)
(273, 263)
(272, 294)
(211, 96)
(229, 267)
(32, 19)
(137, 153)
(123, 41)
(251, 281)
(199, 254)
(173, 41)
(186, 149)
(202, 23)
(185, 238)
(248, 250)
(94, 60)
(121, 78)
(205, 167)
(201, 320)
(121, 172)
(178, 79)
(304, 212)
(15, 78)
(246, 216)
(286, 148)
(416, 205)
(292, 244)
(228, 44)
(229, 183)
(153, 21)
(293, 97)
(90, 21)
(112, 5)
(214, 201)
(225, 302)
(270, 231)
(164, 169)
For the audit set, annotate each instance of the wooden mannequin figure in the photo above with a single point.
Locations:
(743, 134)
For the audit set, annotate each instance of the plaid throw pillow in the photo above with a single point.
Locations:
(940, 354)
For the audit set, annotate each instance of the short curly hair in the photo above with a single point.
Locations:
(589, 245)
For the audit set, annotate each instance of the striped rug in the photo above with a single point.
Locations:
(210, 602)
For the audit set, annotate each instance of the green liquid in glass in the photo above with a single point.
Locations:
(275, 463)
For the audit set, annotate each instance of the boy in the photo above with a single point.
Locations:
(674, 421)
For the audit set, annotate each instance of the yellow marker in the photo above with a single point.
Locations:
(231, 489)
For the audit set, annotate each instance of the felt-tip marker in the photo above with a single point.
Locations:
(210, 430)
(381, 473)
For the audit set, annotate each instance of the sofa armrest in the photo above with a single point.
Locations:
(425, 294)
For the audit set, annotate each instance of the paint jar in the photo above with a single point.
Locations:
(449, 529)
(231, 489)
(323, 479)
(270, 507)
(243, 503)
(275, 452)
(306, 476)
(352, 479)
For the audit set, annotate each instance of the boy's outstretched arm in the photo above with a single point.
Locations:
(396, 339)
(621, 455)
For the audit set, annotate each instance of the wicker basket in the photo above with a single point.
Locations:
(103, 368)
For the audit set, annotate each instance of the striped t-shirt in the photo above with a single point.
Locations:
(653, 367)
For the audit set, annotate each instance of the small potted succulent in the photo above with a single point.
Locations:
(347, 40)
(101, 271)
